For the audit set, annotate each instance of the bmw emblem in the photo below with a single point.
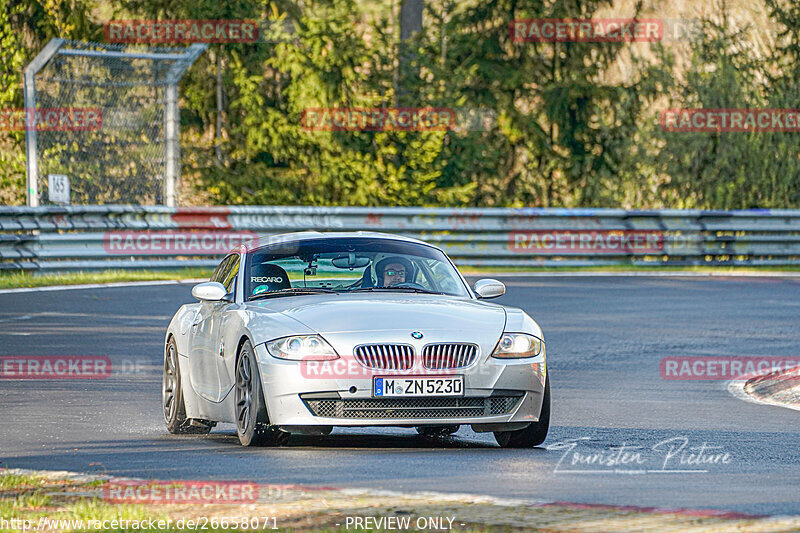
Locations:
(416, 334)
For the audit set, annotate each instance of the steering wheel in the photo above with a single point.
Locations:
(409, 285)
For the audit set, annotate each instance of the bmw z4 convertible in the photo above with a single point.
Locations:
(302, 332)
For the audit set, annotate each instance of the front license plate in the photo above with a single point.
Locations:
(385, 387)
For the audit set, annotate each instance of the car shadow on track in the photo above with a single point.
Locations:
(363, 439)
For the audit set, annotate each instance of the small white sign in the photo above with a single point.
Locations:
(58, 188)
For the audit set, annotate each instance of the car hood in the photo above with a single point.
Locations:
(341, 313)
(378, 317)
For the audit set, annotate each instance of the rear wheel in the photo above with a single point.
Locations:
(534, 434)
(436, 431)
(252, 422)
(172, 402)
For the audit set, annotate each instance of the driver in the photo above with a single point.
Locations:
(393, 270)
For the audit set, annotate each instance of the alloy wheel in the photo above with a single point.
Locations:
(169, 384)
(244, 392)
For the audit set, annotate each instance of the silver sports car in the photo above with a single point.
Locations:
(302, 332)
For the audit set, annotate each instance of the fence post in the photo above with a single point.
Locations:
(29, 81)
(172, 156)
(172, 125)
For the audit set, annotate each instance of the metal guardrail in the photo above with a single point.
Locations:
(99, 237)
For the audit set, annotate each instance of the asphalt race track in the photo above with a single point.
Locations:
(605, 338)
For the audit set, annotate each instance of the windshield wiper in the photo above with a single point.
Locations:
(408, 289)
(291, 291)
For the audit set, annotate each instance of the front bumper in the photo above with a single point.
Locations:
(496, 392)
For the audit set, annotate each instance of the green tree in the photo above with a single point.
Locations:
(330, 59)
(564, 127)
(733, 170)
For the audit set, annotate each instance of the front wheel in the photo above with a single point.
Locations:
(534, 434)
(252, 422)
(172, 403)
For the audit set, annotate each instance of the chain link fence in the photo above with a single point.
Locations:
(107, 123)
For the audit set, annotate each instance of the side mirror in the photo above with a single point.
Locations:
(489, 288)
(210, 291)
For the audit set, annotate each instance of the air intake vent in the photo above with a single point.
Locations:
(385, 356)
(413, 408)
(448, 355)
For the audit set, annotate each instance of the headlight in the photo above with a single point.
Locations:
(517, 346)
(302, 348)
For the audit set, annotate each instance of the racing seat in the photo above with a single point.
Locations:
(267, 277)
(366, 278)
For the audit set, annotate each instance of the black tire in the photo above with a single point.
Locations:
(252, 422)
(534, 434)
(436, 431)
(172, 404)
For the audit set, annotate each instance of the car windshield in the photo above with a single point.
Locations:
(354, 264)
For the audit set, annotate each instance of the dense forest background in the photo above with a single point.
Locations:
(572, 124)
